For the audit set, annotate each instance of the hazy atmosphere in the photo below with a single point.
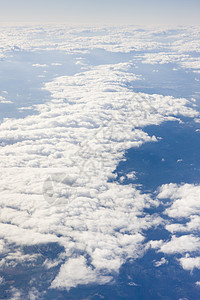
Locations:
(118, 12)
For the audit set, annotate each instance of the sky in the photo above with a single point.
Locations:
(98, 12)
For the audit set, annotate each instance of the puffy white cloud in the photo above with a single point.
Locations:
(192, 225)
(191, 63)
(182, 244)
(185, 199)
(114, 39)
(184, 219)
(161, 262)
(189, 263)
(76, 271)
(184, 205)
(21, 236)
(162, 58)
(67, 39)
(57, 165)
(182, 60)
(4, 100)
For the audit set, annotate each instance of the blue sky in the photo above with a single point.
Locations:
(143, 12)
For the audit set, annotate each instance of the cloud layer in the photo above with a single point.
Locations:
(57, 181)
(184, 223)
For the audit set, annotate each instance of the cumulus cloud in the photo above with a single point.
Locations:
(182, 244)
(183, 60)
(122, 39)
(184, 223)
(74, 272)
(189, 263)
(161, 262)
(185, 199)
(162, 58)
(184, 205)
(191, 63)
(56, 185)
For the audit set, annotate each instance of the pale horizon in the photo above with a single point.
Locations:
(95, 13)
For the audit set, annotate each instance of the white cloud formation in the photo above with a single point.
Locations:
(185, 199)
(185, 204)
(184, 220)
(161, 262)
(114, 39)
(189, 263)
(74, 272)
(56, 184)
(162, 58)
(80, 136)
(4, 100)
(182, 60)
(182, 244)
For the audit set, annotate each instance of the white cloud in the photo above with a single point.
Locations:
(74, 272)
(161, 262)
(182, 244)
(184, 61)
(184, 204)
(131, 175)
(191, 63)
(162, 58)
(185, 199)
(189, 263)
(76, 141)
(184, 220)
(4, 100)
(192, 225)
(78, 138)
(40, 65)
(114, 39)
